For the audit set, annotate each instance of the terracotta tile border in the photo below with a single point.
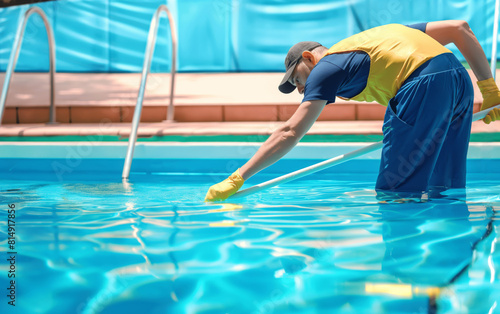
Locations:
(198, 114)
(148, 114)
(338, 112)
(95, 114)
(251, 113)
(10, 116)
(32, 115)
(370, 111)
(341, 111)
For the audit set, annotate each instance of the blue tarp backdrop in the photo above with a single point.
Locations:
(214, 35)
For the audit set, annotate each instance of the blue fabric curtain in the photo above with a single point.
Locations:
(216, 35)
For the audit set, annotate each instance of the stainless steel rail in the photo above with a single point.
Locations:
(153, 31)
(494, 40)
(15, 54)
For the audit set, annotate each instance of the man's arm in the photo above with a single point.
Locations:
(459, 33)
(276, 146)
(284, 138)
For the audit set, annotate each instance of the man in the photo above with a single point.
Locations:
(427, 92)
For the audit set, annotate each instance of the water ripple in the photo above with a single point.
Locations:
(322, 244)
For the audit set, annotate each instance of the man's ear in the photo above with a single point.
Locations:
(309, 58)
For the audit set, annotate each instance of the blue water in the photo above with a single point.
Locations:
(320, 244)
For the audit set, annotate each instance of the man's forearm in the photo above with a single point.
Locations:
(276, 146)
(284, 138)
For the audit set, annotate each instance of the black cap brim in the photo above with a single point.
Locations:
(285, 86)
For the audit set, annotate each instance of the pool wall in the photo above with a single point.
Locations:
(87, 160)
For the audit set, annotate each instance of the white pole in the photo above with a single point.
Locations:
(327, 164)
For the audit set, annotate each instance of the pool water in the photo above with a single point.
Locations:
(320, 244)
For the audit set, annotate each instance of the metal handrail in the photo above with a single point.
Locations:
(493, 64)
(15, 54)
(153, 31)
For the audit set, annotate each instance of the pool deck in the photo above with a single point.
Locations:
(205, 104)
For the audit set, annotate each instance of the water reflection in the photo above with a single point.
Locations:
(116, 248)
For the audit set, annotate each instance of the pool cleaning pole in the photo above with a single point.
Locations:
(493, 64)
(327, 164)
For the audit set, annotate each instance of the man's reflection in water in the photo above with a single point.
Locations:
(430, 240)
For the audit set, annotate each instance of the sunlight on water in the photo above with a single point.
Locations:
(302, 247)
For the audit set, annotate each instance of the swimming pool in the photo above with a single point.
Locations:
(87, 243)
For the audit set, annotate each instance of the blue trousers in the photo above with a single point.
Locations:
(427, 129)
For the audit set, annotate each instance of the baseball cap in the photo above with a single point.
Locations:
(291, 60)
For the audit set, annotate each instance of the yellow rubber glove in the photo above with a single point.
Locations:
(491, 98)
(226, 188)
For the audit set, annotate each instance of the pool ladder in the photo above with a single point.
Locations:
(15, 54)
(153, 32)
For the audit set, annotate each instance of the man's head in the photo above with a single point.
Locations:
(299, 61)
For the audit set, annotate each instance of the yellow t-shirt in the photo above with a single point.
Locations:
(395, 51)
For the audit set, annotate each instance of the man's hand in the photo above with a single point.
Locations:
(226, 188)
(491, 98)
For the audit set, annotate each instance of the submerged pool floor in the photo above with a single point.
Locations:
(315, 245)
